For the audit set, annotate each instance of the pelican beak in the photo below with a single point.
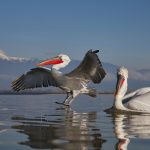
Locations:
(120, 81)
(53, 61)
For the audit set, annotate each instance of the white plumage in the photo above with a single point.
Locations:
(137, 101)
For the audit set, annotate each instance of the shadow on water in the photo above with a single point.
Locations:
(130, 126)
(66, 129)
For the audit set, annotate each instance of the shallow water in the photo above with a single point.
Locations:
(36, 122)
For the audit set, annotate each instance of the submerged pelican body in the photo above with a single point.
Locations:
(73, 83)
(137, 101)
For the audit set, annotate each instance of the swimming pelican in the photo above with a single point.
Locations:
(137, 101)
(73, 83)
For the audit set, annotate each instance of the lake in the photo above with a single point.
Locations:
(30, 122)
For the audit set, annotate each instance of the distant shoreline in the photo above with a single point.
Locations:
(9, 92)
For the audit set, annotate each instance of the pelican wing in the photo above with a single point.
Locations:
(36, 77)
(90, 68)
(142, 91)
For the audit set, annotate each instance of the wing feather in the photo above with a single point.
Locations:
(90, 68)
(36, 77)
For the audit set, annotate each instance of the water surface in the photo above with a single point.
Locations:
(36, 122)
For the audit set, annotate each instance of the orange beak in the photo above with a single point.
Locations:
(53, 61)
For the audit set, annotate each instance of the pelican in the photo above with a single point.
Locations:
(73, 83)
(137, 101)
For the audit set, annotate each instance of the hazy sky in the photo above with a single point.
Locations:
(44, 28)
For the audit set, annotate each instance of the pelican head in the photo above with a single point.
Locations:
(121, 86)
(58, 62)
(123, 72)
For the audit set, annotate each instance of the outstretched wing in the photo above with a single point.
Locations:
(36, 77)
(90, 68)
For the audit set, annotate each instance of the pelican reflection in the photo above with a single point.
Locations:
(128, 126)
(66, 129)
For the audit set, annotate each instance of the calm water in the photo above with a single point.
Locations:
(36, 122)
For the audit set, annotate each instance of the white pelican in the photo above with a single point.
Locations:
(72, 83)
(137, 101)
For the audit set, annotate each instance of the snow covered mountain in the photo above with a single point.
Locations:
(3, 56)
(13, 67)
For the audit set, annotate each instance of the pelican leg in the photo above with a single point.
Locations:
(68, 99)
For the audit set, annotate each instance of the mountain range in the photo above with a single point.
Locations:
(13, 67)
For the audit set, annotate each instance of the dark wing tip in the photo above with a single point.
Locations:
(18, 84)
(96, 51)
(91, 51)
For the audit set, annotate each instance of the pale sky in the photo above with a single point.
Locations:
(44, 28)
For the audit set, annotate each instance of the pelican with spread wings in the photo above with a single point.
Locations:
(73, 83)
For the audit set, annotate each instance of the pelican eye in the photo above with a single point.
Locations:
(60, 57)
